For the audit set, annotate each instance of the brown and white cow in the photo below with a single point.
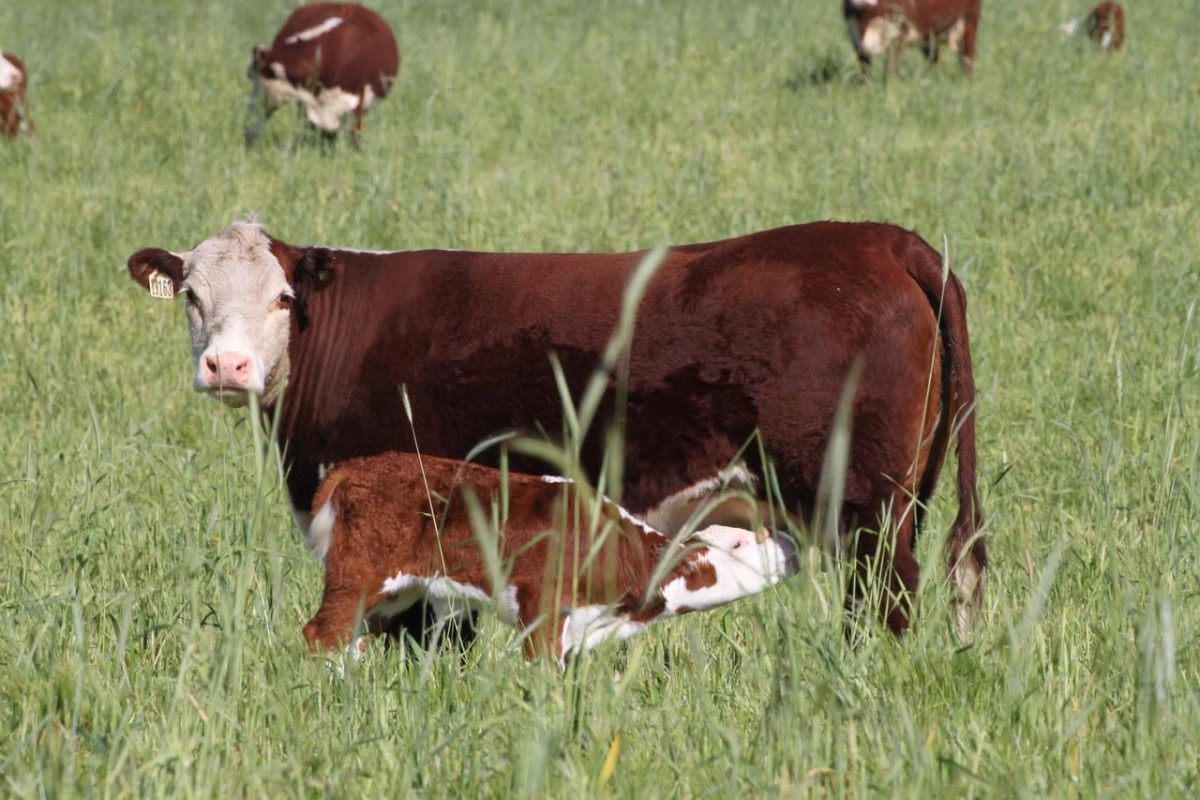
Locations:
(334, 58)
(387, 546)
(14, 117)
(884, 27)
(1104, 25)
(755, 334)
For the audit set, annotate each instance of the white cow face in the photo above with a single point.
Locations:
(238, 303)
(745, 563)
(10, 76)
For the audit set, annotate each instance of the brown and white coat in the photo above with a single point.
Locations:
(756, 334)
(884, 27)
(333, 58)
(14, 110)
(395, 530)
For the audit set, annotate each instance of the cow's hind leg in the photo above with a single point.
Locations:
(334, 624)
(885, 572)
(966, 44)
(356, 129)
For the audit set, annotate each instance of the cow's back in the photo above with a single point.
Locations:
(358, 52)
(757, 332)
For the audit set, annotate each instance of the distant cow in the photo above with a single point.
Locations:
(14, 117)
(1104, 25)
(387, 547)
(335, 58)
(879, 27)
(752, 334)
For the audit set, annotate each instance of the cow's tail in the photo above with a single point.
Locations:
(319, 536)
(966, 548)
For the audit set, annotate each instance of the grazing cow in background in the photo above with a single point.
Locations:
(879, 27)
(1104, 25)
(755, 334)
(386, 548)
(335, 58)
(14, 117)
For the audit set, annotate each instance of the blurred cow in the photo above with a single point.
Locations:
(1104, 25)
(879, 27)
(14, 118)
(334, 58)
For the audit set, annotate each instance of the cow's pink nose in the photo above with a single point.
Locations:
(227, 370)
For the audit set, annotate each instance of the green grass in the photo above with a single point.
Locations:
(152, 585)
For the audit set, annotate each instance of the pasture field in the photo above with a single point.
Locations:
(152, 584)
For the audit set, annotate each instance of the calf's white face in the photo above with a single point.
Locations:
(238, 307)
(743, 565)
(10, 76)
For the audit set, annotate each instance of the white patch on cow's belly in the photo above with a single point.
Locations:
(318, 534)
(955, 37)
(315, 31)
(588, 626)
(448, 597)
(1106, 40)
(880, 35)
(325, 109)
(326, 113)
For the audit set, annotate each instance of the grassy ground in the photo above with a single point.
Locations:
(152, 585)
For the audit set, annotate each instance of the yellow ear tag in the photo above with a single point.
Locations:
(161, 286)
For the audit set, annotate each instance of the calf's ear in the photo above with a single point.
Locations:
(158, 271)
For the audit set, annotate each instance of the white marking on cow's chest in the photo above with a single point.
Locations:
(315, 31)
(1106, 40)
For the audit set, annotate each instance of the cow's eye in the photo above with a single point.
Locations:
(736, 545)
(284, 302)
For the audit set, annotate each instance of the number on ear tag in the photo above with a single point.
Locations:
(161, 286)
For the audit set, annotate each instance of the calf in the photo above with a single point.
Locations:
(879, 27)
(334, 58)
(14, 118)
(1104, 25)
(571, 586)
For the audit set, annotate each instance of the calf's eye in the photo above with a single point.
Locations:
(284, 302)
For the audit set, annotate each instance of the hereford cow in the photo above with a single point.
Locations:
(879, 27)
(385, 550)
(1105, 26)
(335, 58)
(752, 334)
(14, 118)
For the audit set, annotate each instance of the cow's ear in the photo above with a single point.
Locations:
(316, 269)
(158, 271)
